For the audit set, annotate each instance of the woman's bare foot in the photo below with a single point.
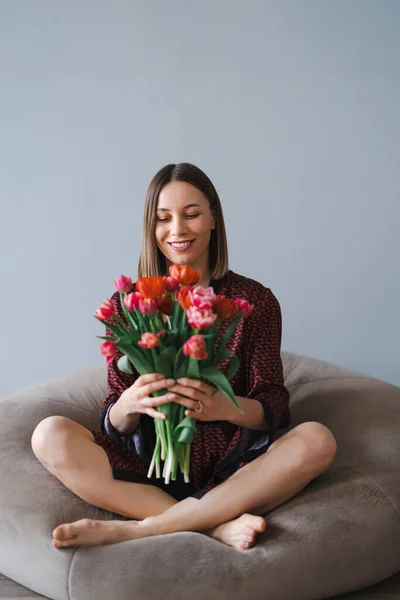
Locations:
(239, 533)
(88, 532)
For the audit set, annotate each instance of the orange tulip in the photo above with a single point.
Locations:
(151, 287)
(183, 297)
(225, 307)
(185, 275)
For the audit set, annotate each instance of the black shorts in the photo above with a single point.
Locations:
(178, 489)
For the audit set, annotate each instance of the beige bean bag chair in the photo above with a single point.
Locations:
(340, 534)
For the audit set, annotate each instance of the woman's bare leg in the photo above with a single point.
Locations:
(68, 451)
(71, 454)
(291, 463)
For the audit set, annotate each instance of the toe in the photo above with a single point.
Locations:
(260, 524)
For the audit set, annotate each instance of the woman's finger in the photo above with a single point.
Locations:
(154, 386)
(155, 413)
(187, 391)
(191, 404)
(148, 378)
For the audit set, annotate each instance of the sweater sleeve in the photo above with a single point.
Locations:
(264, 371)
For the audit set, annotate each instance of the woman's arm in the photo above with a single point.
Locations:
(263, 368)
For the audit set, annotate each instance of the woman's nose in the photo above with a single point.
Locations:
(178, 227)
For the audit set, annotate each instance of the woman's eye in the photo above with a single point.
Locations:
(188, 216)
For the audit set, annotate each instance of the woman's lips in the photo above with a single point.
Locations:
(183, 248)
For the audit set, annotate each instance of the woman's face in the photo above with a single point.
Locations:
(184, 215)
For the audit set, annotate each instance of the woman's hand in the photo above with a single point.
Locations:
(216, 406)
(136, 399)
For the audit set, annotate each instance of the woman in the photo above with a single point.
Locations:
(237, 471)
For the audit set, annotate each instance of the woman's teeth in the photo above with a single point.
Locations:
(181, 246)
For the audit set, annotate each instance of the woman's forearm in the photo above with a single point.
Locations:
(253, 417)
(122, 422)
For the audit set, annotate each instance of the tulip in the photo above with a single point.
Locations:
(171, 284)
(151, 287)
(165, 305)
(225, 307)
(244, 306)
(195, 347)
(149, 340)
(109, 350)
(202, 297)
(123, 283)
(105, 311)
(148, 306)
(200, 318)
(185, 275)
(184, 298)
(131, 301)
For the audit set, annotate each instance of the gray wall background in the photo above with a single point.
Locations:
(292, 109)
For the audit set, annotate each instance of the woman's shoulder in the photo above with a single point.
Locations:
(246, 287)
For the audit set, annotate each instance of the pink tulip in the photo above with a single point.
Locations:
(105, 311)
(202, 297)
(245, 306)
(131, 301)
(171, 284)
(148, 306)
(195, 347)
(123, 283)
(200, 318)
(149, 340)
(109, 350)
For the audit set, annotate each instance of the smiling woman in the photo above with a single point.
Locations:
(183, 234)
(182, 206)
(233, 455)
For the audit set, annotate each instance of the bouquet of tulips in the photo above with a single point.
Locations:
(180, 345)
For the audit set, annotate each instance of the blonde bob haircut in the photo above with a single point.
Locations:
(152, 262)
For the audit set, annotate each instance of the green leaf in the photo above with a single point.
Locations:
(193, 369)
(182, 367)
(141, 364)
(233, 368)
(106, 337)
(124, 365)
(227, 335)
(114, 329)
(185, 432)
(128, 314)
(220, 381)
(165, 361)
(175, 318)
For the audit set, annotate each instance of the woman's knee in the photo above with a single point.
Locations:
(318, 444)
(51, 439)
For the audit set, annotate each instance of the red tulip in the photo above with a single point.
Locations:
(151, 287)
(148, 306)
(149, 340)
(165, 305)
(109, 350)
(195, 347)
(245, 306)
(171, 284)
(123, 283)
(131, 301)
(105, 311)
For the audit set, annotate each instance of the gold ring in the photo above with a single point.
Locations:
(201, 407)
